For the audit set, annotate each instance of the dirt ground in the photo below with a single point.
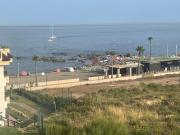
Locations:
(79, 91)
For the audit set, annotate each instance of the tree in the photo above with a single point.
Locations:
(35, 59)
(140, 50)
(128, 55)
(110, 52)
(150, 43)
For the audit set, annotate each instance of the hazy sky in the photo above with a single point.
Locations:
(33, 12)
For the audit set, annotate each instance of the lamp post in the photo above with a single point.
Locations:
(46, 73)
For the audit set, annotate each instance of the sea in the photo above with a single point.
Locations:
(26, 41)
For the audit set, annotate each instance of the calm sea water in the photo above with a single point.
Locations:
(123, 38)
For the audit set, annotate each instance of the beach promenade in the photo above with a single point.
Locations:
(86, 79)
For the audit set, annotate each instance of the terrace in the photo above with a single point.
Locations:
(160, 59)
(5, 56)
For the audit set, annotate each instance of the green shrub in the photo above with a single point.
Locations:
(106, 127)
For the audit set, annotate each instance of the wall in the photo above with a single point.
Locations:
(95, 81)
(2, 94)
(59, 82)
(91, 80)
(166, 73)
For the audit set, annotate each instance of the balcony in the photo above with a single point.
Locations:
(5, 56)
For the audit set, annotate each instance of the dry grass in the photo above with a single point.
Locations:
(119, 113)
(150, 102)
(124, 113)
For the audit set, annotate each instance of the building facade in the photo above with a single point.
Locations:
(161, 65)
(125, 69)
(5, 59)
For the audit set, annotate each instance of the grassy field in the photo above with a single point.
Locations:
(11, 131)
(144, 109)
(147, 109)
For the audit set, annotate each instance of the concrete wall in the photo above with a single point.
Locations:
(59, 82)
(96, 78)
(2, 94)
(100, 80)
(166, 73)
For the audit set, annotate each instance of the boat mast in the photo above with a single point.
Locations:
(52, 30)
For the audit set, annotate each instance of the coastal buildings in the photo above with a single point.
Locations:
(161, 64)
(5, 59)
(125, 69)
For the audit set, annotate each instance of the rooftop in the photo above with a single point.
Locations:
(5, 56)
(127, 65)
(159, 59)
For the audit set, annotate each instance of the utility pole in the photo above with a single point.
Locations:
(46, 74)
(112, 67)
(18, 64)
(167, 50)
(46, 79)
(54, 102)
(36, 74)
(176, 51)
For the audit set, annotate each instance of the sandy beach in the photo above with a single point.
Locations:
(52, 76)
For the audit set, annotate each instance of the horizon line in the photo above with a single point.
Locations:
(87, 24)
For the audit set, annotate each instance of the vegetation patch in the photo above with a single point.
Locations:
(144, 110)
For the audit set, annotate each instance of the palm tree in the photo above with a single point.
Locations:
(140, 50)
(150, 43)
(35, 59)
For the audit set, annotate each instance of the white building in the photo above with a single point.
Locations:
(5, 59)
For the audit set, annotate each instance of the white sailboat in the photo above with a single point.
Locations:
(52, 37)
(50, 40)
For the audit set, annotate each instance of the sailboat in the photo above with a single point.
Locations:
(52, 37)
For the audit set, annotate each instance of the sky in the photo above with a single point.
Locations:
(46, 12)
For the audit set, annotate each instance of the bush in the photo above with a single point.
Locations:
(106, 127)
(97, 127)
